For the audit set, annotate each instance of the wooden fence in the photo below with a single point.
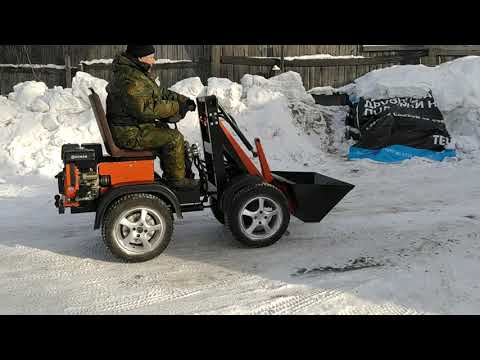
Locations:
(197, 64)
(10, 76)
(229, 61)
(314, 71)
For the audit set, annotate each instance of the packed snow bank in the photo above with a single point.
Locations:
(25, 93)
(454, 86)
(294, 130)
(191, 87)
(83, 82)
(8, 110)
(288, 84)
(35, 121)
(228, 92)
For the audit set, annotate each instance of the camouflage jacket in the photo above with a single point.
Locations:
(134, 98)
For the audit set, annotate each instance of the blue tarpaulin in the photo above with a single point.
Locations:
(397, 153)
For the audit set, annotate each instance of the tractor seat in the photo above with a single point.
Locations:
(107, 137)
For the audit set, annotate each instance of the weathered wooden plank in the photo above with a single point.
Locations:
(318, 77)
(342, 70)
(456, 52)
(282, 58)
(463, 48)
(250, 61)
(8, 69)
(68, 72)
(241, 50)
(164, 66)
(229, 68)
(381, 48)
(216, 60)
(354, 61)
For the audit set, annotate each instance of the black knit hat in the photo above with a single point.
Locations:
(139, 51)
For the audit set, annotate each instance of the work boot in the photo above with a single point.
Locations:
(184, 184)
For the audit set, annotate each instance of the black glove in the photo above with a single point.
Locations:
(187, 106)
(191, 105)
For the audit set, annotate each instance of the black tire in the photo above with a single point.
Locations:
(112, 231)
(217, 213)
(248, 195)
(236, 184)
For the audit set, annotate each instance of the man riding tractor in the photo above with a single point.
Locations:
(138, 113)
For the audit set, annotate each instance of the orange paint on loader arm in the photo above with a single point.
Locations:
(251, 168)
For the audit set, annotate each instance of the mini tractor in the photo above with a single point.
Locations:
(135, 208)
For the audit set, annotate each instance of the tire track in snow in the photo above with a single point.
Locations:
(379, 309)
(132, 302)
(152, 297)
(295, 303)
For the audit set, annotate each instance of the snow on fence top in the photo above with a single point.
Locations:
(34, 66)
(109, 61)
(322, 56)
(96, 61)
(311, 57)
(323, 90)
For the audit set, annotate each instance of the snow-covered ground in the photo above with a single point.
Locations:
(404, 241)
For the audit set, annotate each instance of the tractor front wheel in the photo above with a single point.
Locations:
(258, 215)
(216, 211)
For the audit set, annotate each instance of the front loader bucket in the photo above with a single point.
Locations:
(313, 195)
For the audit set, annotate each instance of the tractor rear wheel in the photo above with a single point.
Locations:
(258, 215)
(137, 227)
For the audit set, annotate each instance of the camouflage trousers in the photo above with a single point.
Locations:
(165, 142)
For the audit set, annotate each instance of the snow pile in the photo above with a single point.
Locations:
(25, 93)
(268, 117)
(36, 121)
(326, 124)
(36, 97)
(228, 92)
(8, 110)
(191, 87)
(454, 86)
(83, 82)
(277, 110)
(288, 84)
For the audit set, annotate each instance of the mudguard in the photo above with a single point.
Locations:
(157, 189)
